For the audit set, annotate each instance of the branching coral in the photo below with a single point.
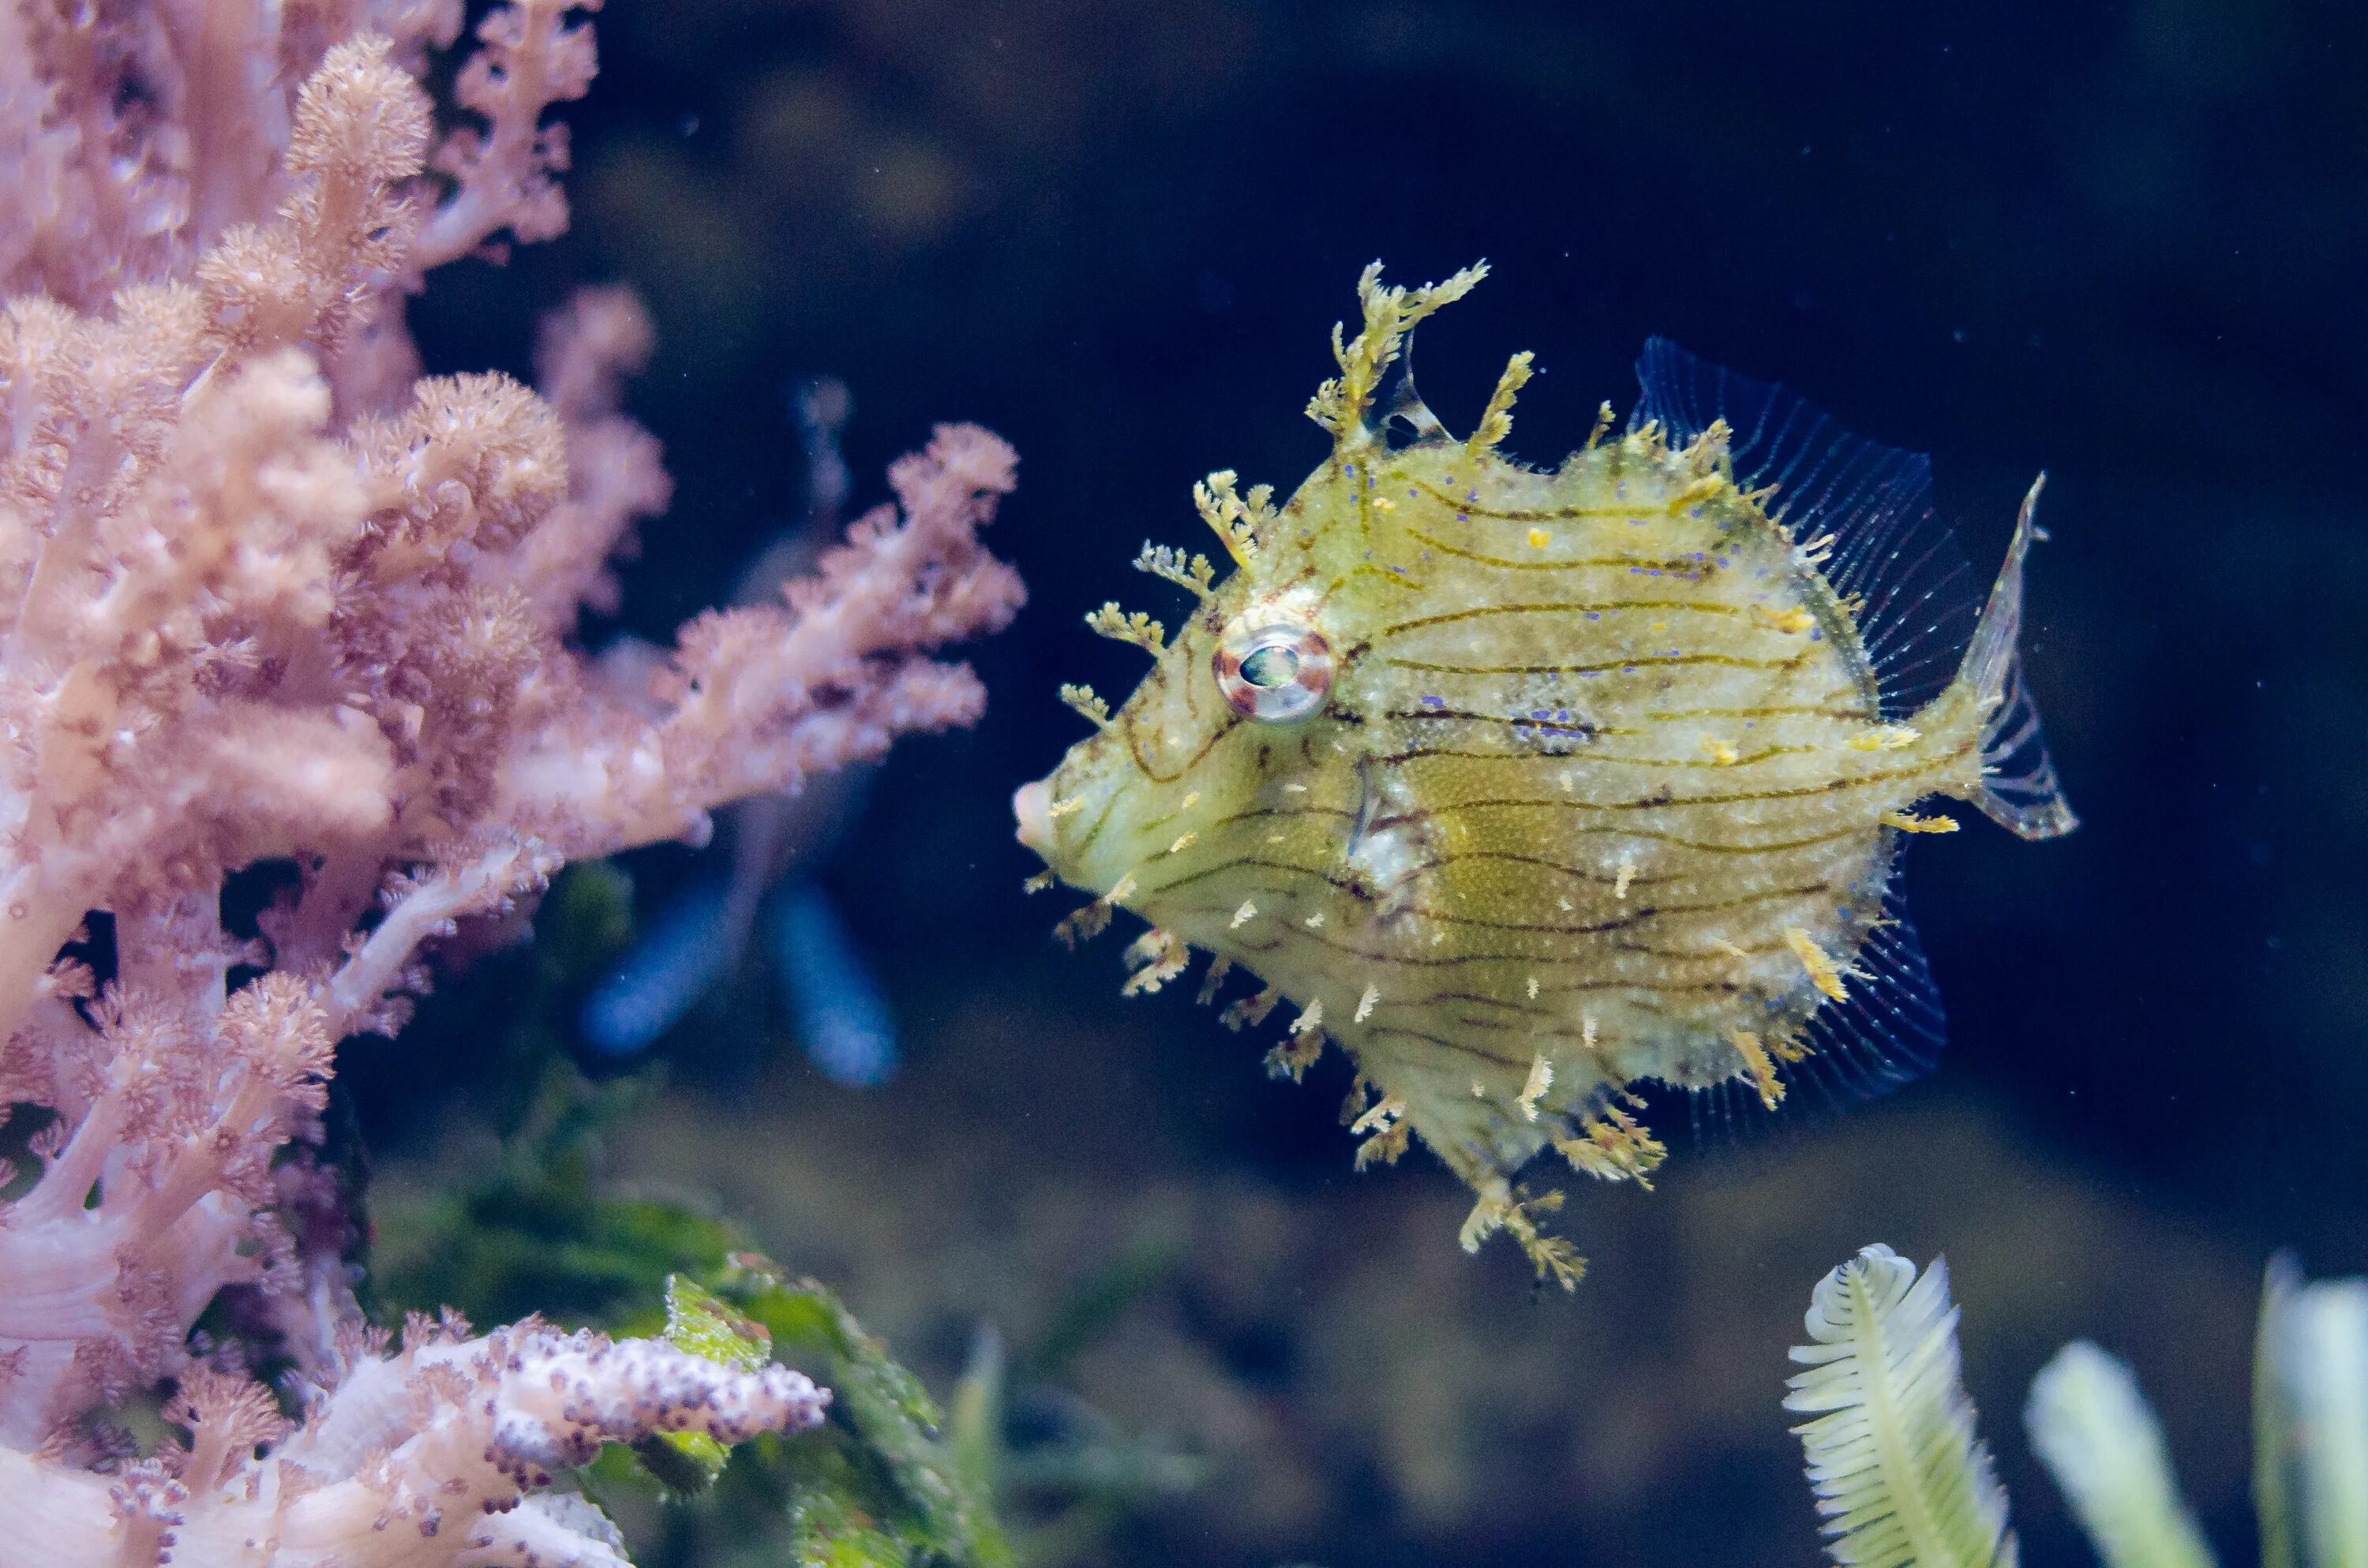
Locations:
(425, 1456)
(267, 595)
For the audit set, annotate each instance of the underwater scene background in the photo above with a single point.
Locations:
(2122, 244)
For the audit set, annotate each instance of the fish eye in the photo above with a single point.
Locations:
(1271, 666)
(1274, 672)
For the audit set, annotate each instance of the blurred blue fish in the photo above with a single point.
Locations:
(697, 942)
(841, 1017)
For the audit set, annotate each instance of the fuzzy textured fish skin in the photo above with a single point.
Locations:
(1602, 775)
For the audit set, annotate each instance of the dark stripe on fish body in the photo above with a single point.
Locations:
(1393, 575)
(1459, 857)
(1772, 895)
(1853, 716)
(1653, 802)
(1575, 727)
(1558, 514)
(1677, 566)
(1441, 918)
(1594, 759)
(1650, 835)
(1640, 662)
(1576, 607)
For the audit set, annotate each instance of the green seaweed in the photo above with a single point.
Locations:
(889, 1480)
(883, 1482)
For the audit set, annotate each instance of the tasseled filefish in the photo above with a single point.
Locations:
(773, 842)
(1528, 786)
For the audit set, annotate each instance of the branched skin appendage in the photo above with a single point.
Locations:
(1524, 786)
(1087, 704)
(1237, 519)
(1120, 627)
(1196, 576)
(1496, 419)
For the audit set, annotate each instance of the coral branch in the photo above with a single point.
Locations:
(430, 1456)
(266, 595)
(530, 60)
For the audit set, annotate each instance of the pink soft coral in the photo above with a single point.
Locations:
(268, 595)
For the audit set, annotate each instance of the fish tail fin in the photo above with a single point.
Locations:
(842, 1019)
(2018, 790)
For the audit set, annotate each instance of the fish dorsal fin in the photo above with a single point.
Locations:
(1889, 551)
(1347, 404)
(1923, 619)
(1398, 403)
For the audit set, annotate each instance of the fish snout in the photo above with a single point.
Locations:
(1031, 803)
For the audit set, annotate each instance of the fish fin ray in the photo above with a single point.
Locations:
(1888, 1032)
(1890, 550)
(2020, 791)
(1890, 1029)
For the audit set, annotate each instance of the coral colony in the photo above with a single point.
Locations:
(267, 595)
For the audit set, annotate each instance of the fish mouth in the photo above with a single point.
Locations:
(1031, 803)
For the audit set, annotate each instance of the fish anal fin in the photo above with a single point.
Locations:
(1889, 1027)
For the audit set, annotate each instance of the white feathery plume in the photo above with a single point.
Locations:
(2313, 1422)
(2097, 1437)
(1900, 1477)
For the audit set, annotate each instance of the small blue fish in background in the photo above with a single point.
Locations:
(774, 842)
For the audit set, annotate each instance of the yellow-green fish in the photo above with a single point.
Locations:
(1525, 785)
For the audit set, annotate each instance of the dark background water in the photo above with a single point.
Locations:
(2122, 243)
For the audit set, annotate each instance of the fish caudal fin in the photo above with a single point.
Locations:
(1887, 552)
(842, 1019)
(692, 945)
(2018, 789)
